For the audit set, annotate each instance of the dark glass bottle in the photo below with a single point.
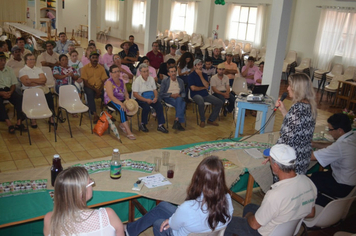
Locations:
(56, 168)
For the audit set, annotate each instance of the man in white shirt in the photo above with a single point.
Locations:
(49, 57)
(145, 91)
(292, 198)
(340, 155)
(16, 62)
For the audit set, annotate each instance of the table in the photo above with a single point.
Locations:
(242, 105)
(29, 30)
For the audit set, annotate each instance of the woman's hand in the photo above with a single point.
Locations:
(265, 161)
(281, 107)
(123, 107)
(164, 225)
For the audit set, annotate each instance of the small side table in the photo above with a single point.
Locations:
(242, 106)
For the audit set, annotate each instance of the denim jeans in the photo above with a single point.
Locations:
(155, 218)
(146, 110)
(239, 225)
(216, 102)
(179, 105)
(231, 99)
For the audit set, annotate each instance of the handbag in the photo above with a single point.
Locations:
(102, 124)
(148, 95)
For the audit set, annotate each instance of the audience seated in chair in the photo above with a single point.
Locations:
(20, 42)
(65, 74)
(172, 91)
(71, 48)
(216, 59)
(248, 71)
(221, 89)
(172, 54)
(49, 57)
(152, 71)
(33, 77)
(108, 57)
(163, 69)
(185, 66)
(16, 62)
(134, 48)
(8, 82)
(340, 155)
(208, 68)
(230, 68)
(183, 49)
(128, 58)
(125, 73)
(199, 85)
(94, 76)
(145, 91)
(155, 56)
(114, 96)
(62, 44)
(259, 74)
(292, 198)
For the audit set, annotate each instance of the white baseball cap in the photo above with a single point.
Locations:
(283, 154)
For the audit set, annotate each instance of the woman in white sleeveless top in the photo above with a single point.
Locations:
(71, 215)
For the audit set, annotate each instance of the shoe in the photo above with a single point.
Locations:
(202, 124)
(213, 123)
(11, 129)
(162, 129)
(175, 125)
(180, 127)
(122, 128)
(225, 111)
(131, 137)
(143, 128)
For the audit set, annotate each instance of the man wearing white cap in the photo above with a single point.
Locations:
(292, 198)
(199, 85)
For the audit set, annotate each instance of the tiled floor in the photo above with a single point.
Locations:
(16, 153)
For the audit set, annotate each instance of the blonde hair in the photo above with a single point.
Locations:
(88, 51)
(69, 199)
(303, 90)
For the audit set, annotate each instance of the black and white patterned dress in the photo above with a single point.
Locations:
(297, 131)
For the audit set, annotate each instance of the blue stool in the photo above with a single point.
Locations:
(242, 106)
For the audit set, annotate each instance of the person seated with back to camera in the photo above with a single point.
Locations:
(221, 89)
(172, 92)
(145, 91)
(207, 207)
(115, 96)
(163, 69)
(292, 198)
(49, 57)
(208, 68)
(71, 216)
(340, 155)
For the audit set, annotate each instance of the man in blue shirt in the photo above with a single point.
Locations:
(133, 48)
(198, 86)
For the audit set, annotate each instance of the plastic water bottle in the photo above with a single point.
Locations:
(115, 165)
(56, 168)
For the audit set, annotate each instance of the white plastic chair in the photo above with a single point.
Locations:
(239, 85)
(35, 106)
(287, 228)
(332, 87)
(166, 107)
(219, 232)
(304, 66)
(49, 76)
(336, 70)
(70, 101)
(350, 72)
(330, 214)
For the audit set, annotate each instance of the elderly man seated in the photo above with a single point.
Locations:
(62, 44)
(145, 91)
(8, 82)
(340, 155)
(20, 42)
(172, 92)
(49, 57)
(292, 198)
(93, 76)
(221, 89)
(16, 62)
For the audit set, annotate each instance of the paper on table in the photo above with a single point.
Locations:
(254, 152)
(156, 180)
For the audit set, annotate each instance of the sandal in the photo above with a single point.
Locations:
(123, 129)
(131, 137)
(34, 126)
(11, 129)
(21, 127)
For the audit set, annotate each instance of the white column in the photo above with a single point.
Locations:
(151, 24)
(59, 17)
(37, 14)
(92, 19)
(276, 46)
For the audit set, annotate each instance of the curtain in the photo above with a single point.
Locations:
(228, 30)
(261, 9)
(189, 20)
(13, 10)
(138, 15)
(331, 25)
(112, 13)
(349, 56)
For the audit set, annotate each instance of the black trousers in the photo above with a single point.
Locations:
(15, 100)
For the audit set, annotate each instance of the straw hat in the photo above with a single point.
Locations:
(123, 43)
(131, 106)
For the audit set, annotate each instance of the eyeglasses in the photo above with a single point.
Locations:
(92, 182)
(328, 129)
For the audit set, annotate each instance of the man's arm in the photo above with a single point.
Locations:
(311, 214)
(321, 145)
(230, 71)
(32, 82)
(251, 219)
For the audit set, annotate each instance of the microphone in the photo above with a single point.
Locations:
(284, 95)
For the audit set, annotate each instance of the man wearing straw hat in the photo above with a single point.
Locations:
(292, 198)
(49, 57)
(127, 58)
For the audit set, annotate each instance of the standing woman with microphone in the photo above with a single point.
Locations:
(299, 122)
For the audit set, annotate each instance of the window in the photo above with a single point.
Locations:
(183, 16)
(243, 23)
(340, 49)
(138, 14)
(112, 10)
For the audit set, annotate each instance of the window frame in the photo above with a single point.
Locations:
(247, 23)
